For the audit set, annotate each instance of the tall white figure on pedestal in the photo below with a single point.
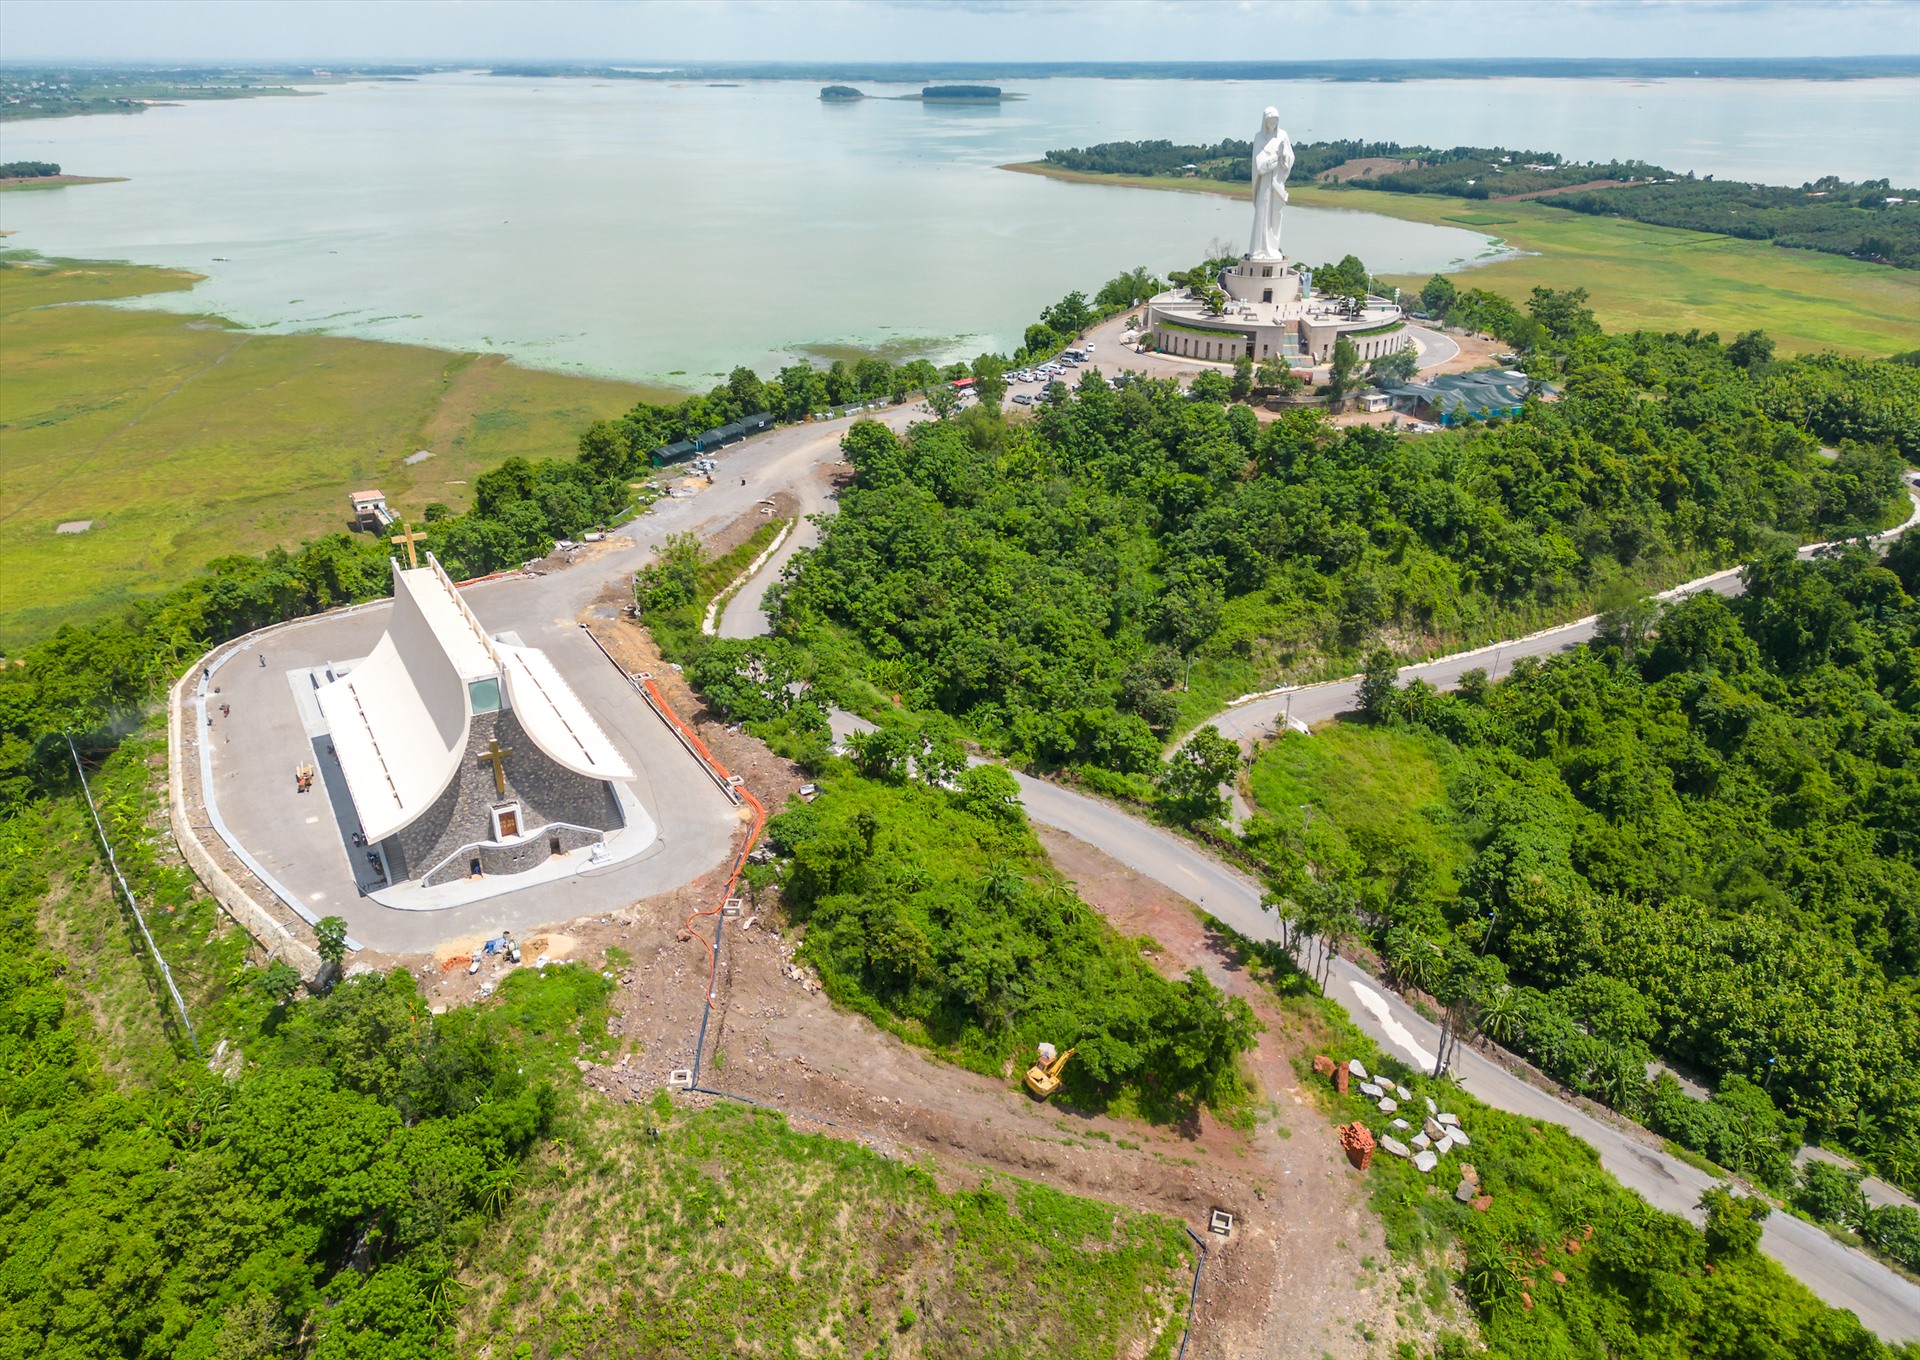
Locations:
(1272, 162)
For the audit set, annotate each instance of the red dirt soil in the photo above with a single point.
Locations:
(1305, 1271)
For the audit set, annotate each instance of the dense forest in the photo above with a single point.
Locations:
(1697, 839)
(1870, 221)
(29, 170)
(1693, 843)
(1069, 587)
(316, 1199)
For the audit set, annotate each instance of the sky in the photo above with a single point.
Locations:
(951, 30)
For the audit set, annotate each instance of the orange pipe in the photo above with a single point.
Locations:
(740, 860)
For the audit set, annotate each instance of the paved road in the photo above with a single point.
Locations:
(1258, 719)
(1884, 1301)
(1435, 348)
(293, 836)
(745, 615)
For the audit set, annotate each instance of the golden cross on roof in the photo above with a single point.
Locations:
(498, 755)
(410, 537)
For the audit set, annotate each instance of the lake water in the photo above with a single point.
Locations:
(668, 232)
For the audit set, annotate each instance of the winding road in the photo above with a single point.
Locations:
(696, 830)
(1884, 1301)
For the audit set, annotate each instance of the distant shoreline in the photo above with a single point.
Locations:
(1640, 276)
(57, 181)
(1217, 187)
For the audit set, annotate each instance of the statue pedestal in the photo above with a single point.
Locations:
(1262, 280)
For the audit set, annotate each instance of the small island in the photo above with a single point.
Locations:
(967, 94)
(841, 94)
(46, 175)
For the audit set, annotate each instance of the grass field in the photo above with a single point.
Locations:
(1659, 278)
(661, 1232)
(184, 437)
(1378, 795)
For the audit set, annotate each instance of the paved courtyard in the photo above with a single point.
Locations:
(298, 838)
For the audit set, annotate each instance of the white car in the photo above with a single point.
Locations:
(1089, 347)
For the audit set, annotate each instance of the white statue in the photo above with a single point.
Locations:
(1272, 161)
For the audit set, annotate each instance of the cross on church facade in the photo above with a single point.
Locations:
(409, 536)
(498, 755)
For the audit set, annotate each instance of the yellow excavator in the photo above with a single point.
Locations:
(1043, 1078)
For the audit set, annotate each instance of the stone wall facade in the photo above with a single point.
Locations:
(514, 858)
(461, 819)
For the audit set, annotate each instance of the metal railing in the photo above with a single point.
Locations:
(159, 960)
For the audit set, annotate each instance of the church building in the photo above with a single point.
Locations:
(466, 755)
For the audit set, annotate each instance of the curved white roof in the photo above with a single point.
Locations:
(554, 716)
(400, 720)
(397, 753)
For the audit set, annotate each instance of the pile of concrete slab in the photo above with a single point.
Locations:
(1439, 1134)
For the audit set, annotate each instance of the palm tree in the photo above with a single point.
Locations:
(445, 1299)
(1500, 1016)
(1899, 1162)
(1411, 960)
(1493, 1283)
(1624, 1082)
(496, 1190)
(1059, 894)
(1004, 885)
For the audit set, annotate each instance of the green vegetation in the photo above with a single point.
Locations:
(1641, 277)
(1562, 1261)
(324, 1191)
(837, 93)
(801, 391)
(73, 937)
(1078, 588)
(934, 913)
(725, 1233)
(362, 1178)
(1378, 797)
(1871, 221)
(961, 93)
(1838, 399)
(673, 591)
(28, 170)
(185, 439)
(1693, 840)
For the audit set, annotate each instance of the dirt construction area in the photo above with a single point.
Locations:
(1304, 1271)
